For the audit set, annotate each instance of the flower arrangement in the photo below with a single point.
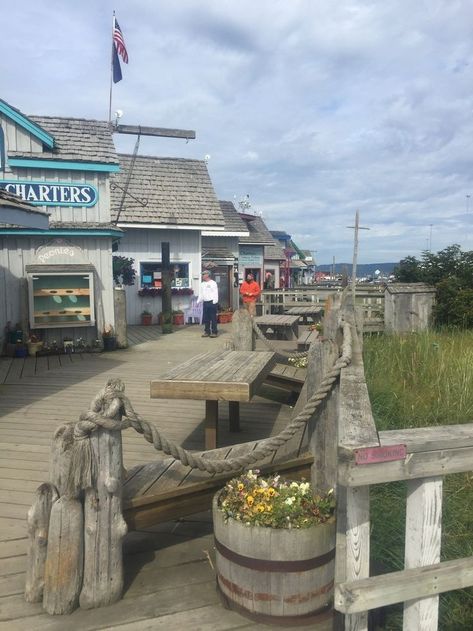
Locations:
(154, 292)
(274, 502)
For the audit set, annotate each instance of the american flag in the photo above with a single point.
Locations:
(119, 42)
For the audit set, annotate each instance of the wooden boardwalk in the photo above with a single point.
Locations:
(169, 574)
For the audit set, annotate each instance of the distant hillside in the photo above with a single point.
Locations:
(362, 269)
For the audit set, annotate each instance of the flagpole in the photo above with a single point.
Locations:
(111, 73)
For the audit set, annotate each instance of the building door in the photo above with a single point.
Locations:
(221, 275)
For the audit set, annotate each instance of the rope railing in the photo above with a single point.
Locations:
(110, 402)
(278, 351)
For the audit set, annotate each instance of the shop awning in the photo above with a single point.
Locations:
(16, 212)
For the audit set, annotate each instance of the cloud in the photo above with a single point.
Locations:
(314, 109)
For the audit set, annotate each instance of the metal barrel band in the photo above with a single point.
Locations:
(267, 565)
(313, 617)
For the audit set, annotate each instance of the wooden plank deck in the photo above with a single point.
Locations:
(161, 561)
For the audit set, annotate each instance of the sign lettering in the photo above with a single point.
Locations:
(370, 455)
(52, 193)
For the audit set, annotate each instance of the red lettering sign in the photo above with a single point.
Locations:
(370, 455)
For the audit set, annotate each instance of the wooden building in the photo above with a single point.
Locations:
(62, 166)
(220, 250)
(156, 200)
(408, 307)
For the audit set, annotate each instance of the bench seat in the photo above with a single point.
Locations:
(306, 338)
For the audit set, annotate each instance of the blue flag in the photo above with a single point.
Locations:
(117, 71)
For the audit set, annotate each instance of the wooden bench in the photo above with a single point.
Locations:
(313, 312)
(287, 377)
(282, 326)
(306, 338)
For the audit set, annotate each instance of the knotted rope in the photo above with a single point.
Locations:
(111, 409)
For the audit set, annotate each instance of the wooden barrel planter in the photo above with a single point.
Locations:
(276, 576)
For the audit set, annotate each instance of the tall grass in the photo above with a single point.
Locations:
(420, 380)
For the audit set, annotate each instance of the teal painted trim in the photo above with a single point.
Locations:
(62, 233)
(27, 124)
(31, 163)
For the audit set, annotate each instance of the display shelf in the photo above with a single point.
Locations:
(61, 299)
(78, 291)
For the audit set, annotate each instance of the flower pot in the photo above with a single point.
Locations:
(224, 317)
(34, 347)
(178, 319)
(109, 343)
(276, 576)
(146, 319)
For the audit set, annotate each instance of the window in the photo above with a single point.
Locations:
(151, 275)
(61, 300)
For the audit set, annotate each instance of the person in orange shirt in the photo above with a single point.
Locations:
(250, 291)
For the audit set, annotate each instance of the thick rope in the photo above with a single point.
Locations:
(112, 401)
(282, 353)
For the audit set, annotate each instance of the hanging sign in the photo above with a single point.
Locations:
(370, 455)
(52, 193)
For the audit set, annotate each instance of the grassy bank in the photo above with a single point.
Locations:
(421, 380)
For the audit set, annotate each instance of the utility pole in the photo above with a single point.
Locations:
(430, 238)
(357, 228)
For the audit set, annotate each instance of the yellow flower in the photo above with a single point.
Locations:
(250, 500)
(240, 486)
(260, 508)
(268, 508)
(271, 492)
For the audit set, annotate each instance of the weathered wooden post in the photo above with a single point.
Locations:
(64, 561)
(242, 331)
(38, 534)
(65, 551)
(119, 299)
(83, 528)
(103, 519)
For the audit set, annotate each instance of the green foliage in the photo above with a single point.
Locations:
(451, 271)
(123, 270)
(421, 380)
(274, 503)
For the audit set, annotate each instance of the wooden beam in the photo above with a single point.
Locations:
(415, 465)
(388, 589)
(187, 134)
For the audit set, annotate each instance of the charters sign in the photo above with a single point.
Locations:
(52, 193)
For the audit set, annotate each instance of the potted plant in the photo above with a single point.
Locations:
(225, 315)
(109, 338)
(177, 316)
(146, 317)
(34, 344)
(267, 530)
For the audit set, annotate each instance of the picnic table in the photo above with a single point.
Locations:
(284, 326)
(231, 376)
(314, 312)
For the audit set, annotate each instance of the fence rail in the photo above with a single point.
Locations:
(422, 457)
(369, 299)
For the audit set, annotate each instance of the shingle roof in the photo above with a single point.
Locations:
(259, 233)
(233, 221)
(75, 139)
(176, 191)
(14, 201)
(217, 253)
(274, 252)
(410, 288)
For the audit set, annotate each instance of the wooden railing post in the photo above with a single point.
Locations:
(242, 331)
(104, 526)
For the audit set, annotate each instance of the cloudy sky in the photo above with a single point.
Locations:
(313, 108)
